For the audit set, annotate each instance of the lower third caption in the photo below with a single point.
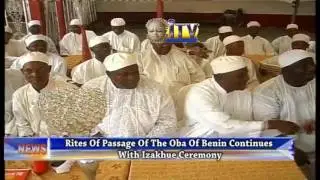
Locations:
(169, 155)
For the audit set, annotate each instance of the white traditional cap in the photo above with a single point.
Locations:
(35, 56)
(301, 37)
(75, 22)
(34, 22)
(231, 39)
(8, 29)
(98, 40)
(117, 22)
(225, 29)
(292, 26)
(289, 57)
(118, 61)
(34, 38)
(253, 23)
(224, 64)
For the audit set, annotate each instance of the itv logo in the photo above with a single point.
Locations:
(182, 32)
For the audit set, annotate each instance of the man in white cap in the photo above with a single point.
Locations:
(120, 39)
(13, 80)
(94, 67)
(254, 44)
(215, 43)
(29, 123)
(38, 43)
(291, 97)
(34, 28)
(299, 41)
(13, 48)
(235, 47)
(71, 43)
(283, 43)
(167, 64)
(137, 106)
(220, 106)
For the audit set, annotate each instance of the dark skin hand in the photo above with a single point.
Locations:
(285, 127)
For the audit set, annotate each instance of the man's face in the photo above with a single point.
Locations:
(36, 73)
(7, 37)
(118, 29)
(125, 78)
(253, 31)
(38, 46)
(300, 73)
(299, 45)
(292, 31)
(162, 48)
(101, 51)
(35, 29)
(75, 29)
(236, 80)
(156, 32)
(235, 49)
(224, 35)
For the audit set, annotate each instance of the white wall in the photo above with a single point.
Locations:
(206, 6)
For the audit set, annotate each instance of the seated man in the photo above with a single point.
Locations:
(215, 43)
(36, 70)
(94, 67)
(167, 64)
(120, 39)
(71, 43)
(219, 106)
(13, 80)
(291, 97)
(34, 27)
(136, 106)
(255, 44)
(283, 43)
(235, 47)
(38, 43)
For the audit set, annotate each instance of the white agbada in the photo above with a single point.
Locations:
(88, 70)
(13, 81)
(58, 64)
(257, 46)
(173, 70)
(125, 42)
(212, 112)
(216, 46)
(147, 110)
(71, 43)
(145, 44)
(275, 99)
(51, 46)
(26, 110)
(282, 44)
(312, 46)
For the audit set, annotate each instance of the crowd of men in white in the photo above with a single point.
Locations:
(157, 89)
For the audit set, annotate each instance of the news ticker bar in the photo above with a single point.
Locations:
(148, 148)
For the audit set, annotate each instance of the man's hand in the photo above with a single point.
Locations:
(285, 127)
(309, 126)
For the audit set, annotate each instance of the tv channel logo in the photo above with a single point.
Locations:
(182, 32)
